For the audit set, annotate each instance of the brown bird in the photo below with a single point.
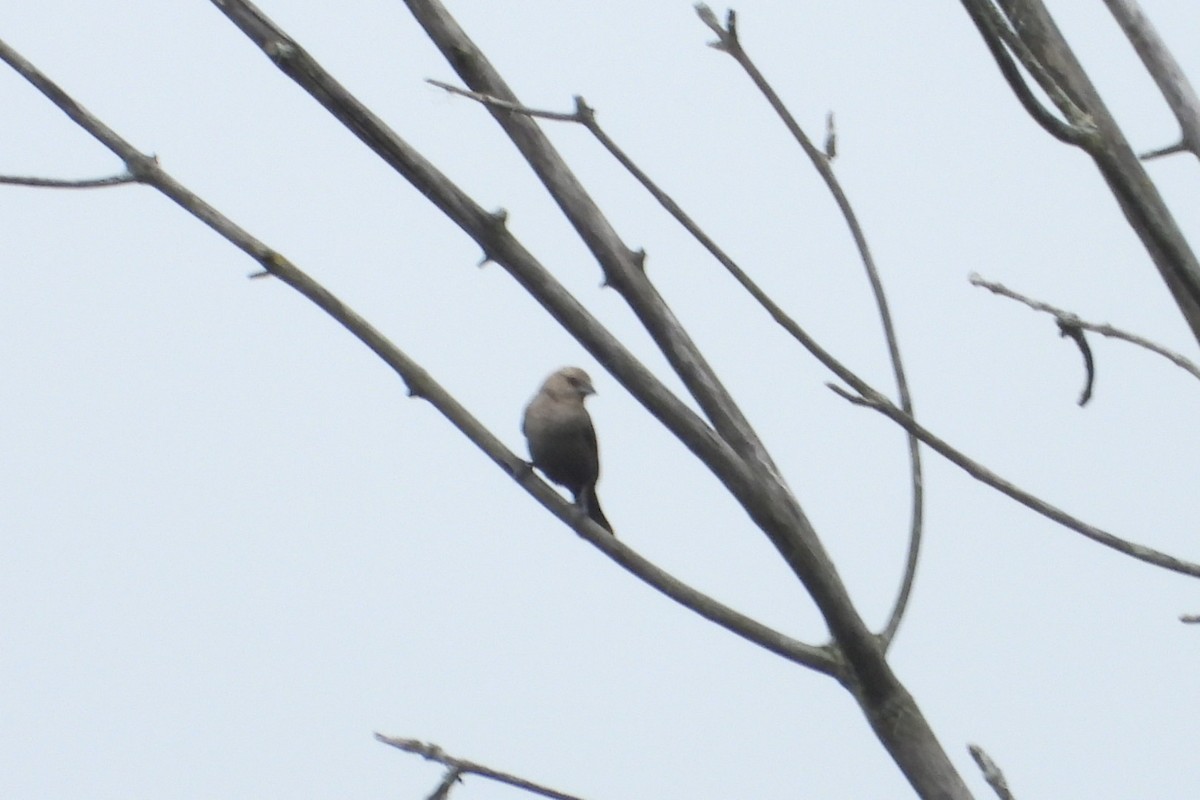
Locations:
(562, 441)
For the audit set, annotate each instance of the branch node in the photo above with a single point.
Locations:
(281, 51)
(851, 397)
(453, 775)
(639, 258)
(142, 167)
(583, 112)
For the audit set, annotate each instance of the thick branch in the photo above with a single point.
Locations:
(622, 266)
(421, 384)
(1057, 69)
(1163, 67)
(764, 496)
(998, 37)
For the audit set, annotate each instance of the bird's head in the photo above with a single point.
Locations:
(569, 382)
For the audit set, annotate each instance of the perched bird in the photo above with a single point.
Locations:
(562, 442)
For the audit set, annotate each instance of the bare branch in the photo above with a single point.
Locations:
(735, 456)
(459, 766)
(991, 772)
(421, 384)
(732, 46)
(997, 35)
(619, 262)
(1190, 619)
(759, 487)
(1163, 67)
(1104, 329)
(63, 183)
(453, 775)
(496, 102)
(981, 473)
(1060, 72)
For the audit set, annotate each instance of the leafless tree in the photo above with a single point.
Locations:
(1027, 47)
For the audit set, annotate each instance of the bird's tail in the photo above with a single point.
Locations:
(590, 504)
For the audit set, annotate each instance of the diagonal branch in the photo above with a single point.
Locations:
(586, 116)
(460, 766)
(982, 474)
(991, 773)
(621, 265)
(764, 495)
(1165, 70)
(421, 384)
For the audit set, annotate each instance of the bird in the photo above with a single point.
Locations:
(562, 441)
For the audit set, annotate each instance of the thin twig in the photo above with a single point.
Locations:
(431, 752)
(421, 384)
(729, 43)
(1190, 619)
(496, 102)
(981, 473)
(991, 772)
(1102, 328)
(63, 183)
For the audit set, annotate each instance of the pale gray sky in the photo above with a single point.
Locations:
(234, 548)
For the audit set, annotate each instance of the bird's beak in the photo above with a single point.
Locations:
(587, 390)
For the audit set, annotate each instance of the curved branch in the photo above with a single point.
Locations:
(729, 43)
(995, 32)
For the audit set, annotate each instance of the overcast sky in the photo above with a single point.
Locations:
(233, 548)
